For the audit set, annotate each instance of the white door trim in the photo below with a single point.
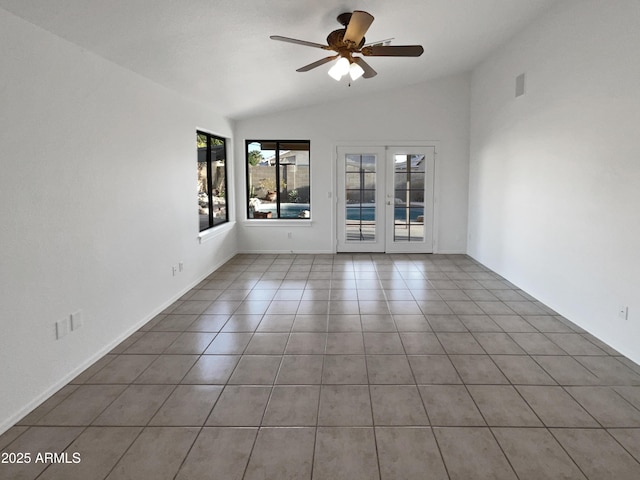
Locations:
(377, 244)
(426, 244)
(435, 144)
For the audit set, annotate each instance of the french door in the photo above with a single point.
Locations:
(385, 199)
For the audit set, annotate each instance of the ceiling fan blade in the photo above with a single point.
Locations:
(393, 51)
(368, 71)
(358, 25)
(298, 42)
(379, 42)
(313, 65)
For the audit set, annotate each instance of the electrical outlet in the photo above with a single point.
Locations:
(174, 270)
(181, 266)
(623, 312)
(62, 328)
(76, 320)
(289, 235)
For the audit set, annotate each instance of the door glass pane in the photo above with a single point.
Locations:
(360, 196)
(400, 164)
(369, 181)
(353, 180)
(353, 163)
(409, 178)
(368, 163)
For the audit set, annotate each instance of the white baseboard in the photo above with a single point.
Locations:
(35, 403)
(329, 252)
(287, 252)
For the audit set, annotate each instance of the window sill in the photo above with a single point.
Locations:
(214, 232)
(274, 222)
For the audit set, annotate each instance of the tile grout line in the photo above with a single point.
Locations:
(233, 283)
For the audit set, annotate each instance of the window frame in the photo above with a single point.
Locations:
(209, 161)
(277, 166)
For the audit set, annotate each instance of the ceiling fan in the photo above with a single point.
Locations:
(347, 42)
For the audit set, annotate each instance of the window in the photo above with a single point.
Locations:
(278, 179)
(212, 181)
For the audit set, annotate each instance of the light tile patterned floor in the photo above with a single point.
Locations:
(346, 367)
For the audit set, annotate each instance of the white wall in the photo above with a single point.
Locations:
(97, 202)
(554, 175)
(433, 111)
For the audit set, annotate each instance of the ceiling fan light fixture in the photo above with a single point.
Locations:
(339, 69)
(350, 40)
(333, 73)
(355, 71)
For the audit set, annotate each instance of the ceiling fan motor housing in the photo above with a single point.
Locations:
(347, 41)
(336, 41)
(343, 18)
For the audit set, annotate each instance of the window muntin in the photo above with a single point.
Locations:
(278, 179)
(212, 181)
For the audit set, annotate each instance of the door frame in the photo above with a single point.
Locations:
(378, 244)
(385, 145)
(426, 246)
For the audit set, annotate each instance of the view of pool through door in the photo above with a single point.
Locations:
(385, 199)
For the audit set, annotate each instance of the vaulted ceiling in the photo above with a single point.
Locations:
(219, 51)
